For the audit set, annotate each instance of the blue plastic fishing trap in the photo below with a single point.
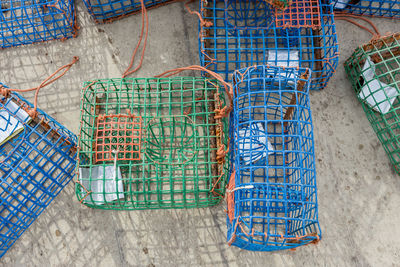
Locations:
(237, 34)
(272, 193)
(31, 21)
(109, 10)
(37, 159)
(379, 8)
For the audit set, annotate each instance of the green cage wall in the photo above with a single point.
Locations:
(152, 144)
(374, 71)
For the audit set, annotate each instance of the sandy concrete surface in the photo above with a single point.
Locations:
(357, 190)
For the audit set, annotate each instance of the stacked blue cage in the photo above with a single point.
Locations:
(31, 21)
(36, 163)
(275, 193)
(239, 33)
(379, 8)
(109, 10)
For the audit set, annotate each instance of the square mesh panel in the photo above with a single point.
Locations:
(118, 137)
(301, 13)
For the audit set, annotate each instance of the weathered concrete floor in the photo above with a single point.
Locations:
(358, 191)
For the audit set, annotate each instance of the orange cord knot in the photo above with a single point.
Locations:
(222, 113)
(206, 23)
(32, 113)
(221, 153)
(74, 60)
(375, 38)
(4, 91)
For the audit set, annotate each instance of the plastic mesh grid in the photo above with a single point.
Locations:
(31, 21)
(120, 135)
(108, 10)
(281, 4)
(244, 33)
(35, 165)
(379, 8)
(374, 71)
(275, 194)
(180, 136)
(305, 13)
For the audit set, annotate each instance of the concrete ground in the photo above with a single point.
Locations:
(357, 189)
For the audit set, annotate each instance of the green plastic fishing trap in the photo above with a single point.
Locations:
(374, 71)
(152, 143)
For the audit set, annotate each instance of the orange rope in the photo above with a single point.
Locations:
(230, 197)
(144, 17)
(202, 21)
(49, 80)
(300, 237)
(234, 232)
(345, 16)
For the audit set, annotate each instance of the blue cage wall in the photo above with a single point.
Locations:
(108, 10)
(245, 33)
(35, 166)
(379, 8)
(31, 21)
(275, 194)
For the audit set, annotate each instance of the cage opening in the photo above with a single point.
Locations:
(118, 137)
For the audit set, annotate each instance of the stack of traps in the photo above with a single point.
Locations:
(109, 10)
(379, 8)
(237, 34)
(374, 71)
(25, 22)
(151, 144)
(272, 192)
(37, 159)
